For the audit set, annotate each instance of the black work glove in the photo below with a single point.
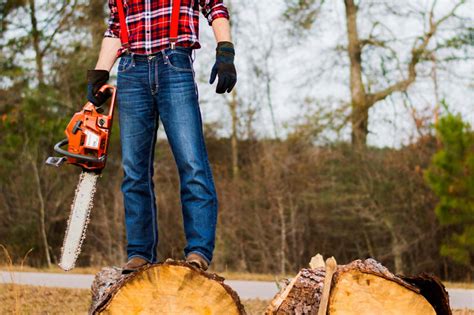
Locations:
(95, 80)
(224, 68)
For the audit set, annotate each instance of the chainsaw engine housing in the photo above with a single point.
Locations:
(87, 136)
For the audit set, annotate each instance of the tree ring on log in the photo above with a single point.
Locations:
(173, 287)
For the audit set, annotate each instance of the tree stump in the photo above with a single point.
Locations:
(173, 287)
(361, 287)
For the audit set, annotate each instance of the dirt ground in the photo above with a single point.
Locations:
(16, 299)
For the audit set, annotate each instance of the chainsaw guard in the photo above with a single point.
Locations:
(79, 157)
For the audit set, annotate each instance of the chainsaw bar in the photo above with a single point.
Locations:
(78, 220)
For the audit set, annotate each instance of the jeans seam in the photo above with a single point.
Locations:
(127, 64)
(156, 77)
(204, 155)
(207, 169)
(178, 69)
(152, 193)
(194, 79)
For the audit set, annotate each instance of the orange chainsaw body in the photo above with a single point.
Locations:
(88, 135)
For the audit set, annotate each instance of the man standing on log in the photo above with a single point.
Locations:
(154, 40)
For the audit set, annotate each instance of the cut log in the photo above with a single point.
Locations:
(331, 266)
(361, 287)
(173, 287)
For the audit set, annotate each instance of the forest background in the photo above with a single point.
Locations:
(348, 134)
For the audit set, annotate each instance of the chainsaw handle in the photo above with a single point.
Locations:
(108, 91)
(85, 158)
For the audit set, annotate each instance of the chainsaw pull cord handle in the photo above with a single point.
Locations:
(174, 28)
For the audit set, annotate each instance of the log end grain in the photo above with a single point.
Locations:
(173, 287)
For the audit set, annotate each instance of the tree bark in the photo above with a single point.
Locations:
(360, 110)
(283, 232)
(234, 137)
(361, 100)
(173, 287)
(35, 34)
(44, 237)
(361, 287)
(360, 124)
(39, 193)
(96, 21)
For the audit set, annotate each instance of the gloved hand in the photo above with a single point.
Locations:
(224, 68)
(95, 80)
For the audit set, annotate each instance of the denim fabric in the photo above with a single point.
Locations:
(163, 86)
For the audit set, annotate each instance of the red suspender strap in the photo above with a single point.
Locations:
(174, 23)
(123, 25)
(173, 29)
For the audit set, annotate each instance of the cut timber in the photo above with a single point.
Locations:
(361, 287)
(169, 288)
(357, 292)
(301, 296)
(331, 266)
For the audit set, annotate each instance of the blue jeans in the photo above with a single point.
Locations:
(163, 86)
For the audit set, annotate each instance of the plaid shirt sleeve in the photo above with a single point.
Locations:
(113, 29)
(213, 9)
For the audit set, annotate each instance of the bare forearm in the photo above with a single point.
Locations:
(108, 53)
(221, 28)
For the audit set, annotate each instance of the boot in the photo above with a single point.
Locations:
(133, 265)
(197, 261)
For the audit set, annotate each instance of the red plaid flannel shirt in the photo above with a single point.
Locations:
(148, 22)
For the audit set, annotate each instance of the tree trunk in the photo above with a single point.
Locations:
(172, 287)
(360, 108)
(44, 237)
(283, 232)
(234, 138)
(361, 287)
(35, 34)
(96, 22)
(360, 124)
(39, 193)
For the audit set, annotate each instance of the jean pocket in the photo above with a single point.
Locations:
(180, 61)
(125, 64)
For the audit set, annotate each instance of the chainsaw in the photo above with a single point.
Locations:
(87, 141)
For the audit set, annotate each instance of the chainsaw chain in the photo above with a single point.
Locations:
(86, 223)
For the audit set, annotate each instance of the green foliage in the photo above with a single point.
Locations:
(451, 177)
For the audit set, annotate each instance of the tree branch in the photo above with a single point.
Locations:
(417, 52)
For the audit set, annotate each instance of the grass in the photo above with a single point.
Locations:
(19, 299)
(459, 285)
(229, 275)
(52, 269)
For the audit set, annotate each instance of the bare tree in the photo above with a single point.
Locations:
(360, 48)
